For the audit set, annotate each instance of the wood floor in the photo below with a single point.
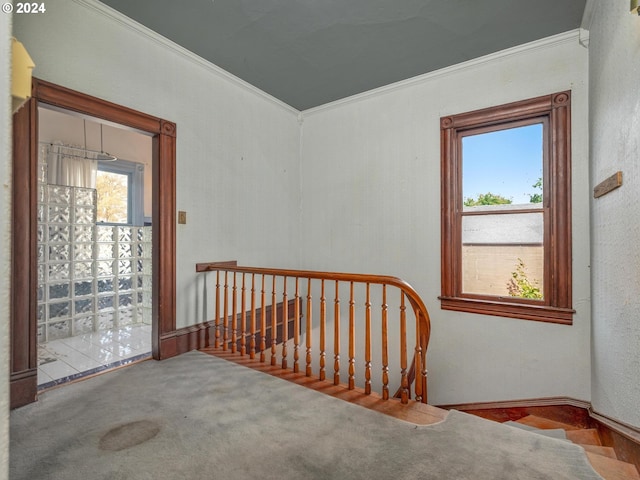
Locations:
(603, 459)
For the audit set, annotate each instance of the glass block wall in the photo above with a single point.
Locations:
(90, 277)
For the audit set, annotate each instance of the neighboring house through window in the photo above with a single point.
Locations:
(506, 210)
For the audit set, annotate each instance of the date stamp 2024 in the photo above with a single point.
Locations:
(24, 7)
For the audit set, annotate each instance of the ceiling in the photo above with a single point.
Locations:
(310, 52)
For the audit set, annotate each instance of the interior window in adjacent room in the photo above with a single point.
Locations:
(120, 190)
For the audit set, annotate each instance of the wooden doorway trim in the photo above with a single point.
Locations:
(24, 349)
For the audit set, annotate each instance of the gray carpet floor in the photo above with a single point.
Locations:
(200, 417)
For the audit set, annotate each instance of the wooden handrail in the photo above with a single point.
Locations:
(236, 339)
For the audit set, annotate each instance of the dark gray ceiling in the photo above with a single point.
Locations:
(310, 52)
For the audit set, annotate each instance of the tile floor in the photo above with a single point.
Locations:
(67, 359)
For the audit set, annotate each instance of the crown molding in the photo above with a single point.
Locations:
(123, 20)
(587, 15)
(585, 24)
(561, 38)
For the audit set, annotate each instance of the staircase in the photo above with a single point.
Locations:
(309, 312)
(328, 311)
(603, 459)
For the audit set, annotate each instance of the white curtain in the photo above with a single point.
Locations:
(64, 168)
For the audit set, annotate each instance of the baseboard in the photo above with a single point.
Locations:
(194, 337)
(202, 335)
(624, 429)
(529, 402)
(561, 409)
(23, 388)
(168, 347)
(624, 438)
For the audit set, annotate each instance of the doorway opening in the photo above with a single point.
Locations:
(94, 246)
(26, 296)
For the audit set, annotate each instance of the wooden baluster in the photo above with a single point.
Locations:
(404, 382)
(225, 320)
(323, 320)
(274, 322)
(385, 347)
(216, 343)
(367, 344)
(243, 318)
(424, 369)
(285, 323)
(263, 323)
(336, 337)
(352, 339)
(309, 326)
(252, 339)
(418, 362)
(234, 315)
(296, 327)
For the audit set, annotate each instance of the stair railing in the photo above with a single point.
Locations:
(249, 320)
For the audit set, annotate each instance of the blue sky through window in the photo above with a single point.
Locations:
(505, 162)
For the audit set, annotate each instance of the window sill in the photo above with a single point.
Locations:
(539, 313)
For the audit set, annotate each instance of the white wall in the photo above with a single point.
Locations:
(614, 70)
(5, 236)
(237, 149)
(371, 203)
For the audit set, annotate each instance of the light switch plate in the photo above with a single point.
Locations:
(182, 217)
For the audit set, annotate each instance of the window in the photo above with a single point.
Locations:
(120, 187)
(506, 210)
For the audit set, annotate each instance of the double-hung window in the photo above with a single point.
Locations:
(120, 190)
(506, 210)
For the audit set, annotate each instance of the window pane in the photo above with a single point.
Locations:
(503, 229)
(503, 255)
(503, 167)
(113, 197)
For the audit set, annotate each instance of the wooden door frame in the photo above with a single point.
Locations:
(24, 280)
